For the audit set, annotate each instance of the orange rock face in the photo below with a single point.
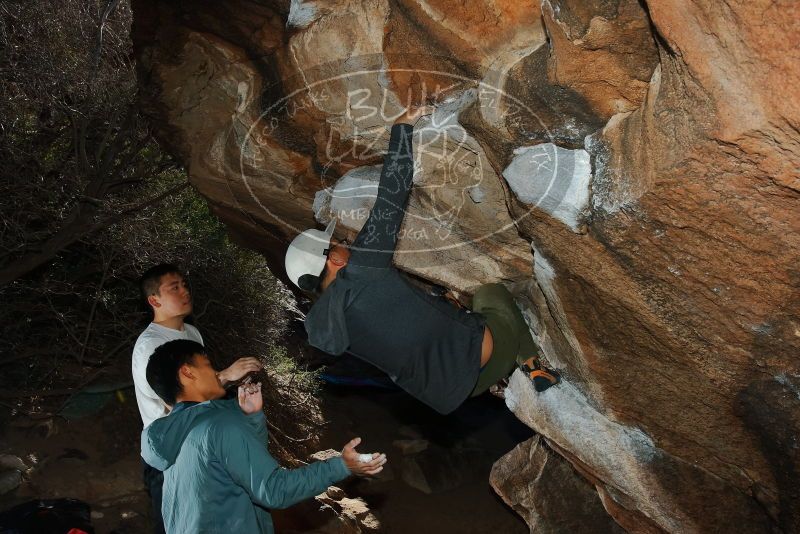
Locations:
(631, 172)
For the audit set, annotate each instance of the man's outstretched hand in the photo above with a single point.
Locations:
(239, 369)
(250, 399)
(352, 459)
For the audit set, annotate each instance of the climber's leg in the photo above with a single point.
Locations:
(513, 343)
(504, 335)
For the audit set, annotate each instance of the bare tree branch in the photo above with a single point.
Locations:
(110, 7)
(92, 312)
(80, 226)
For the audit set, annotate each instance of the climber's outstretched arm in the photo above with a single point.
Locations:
(374, 246)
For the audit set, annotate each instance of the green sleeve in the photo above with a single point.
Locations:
(256, 421)
(251, 466)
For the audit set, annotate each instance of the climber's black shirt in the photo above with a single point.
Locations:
(426, 345)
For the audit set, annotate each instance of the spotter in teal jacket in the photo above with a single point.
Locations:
(219, 476)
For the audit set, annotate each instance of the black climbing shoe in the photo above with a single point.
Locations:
(542, 377)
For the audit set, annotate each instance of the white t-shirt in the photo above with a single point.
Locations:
(151, 407)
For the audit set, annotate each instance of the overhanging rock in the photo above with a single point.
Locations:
(663, 282)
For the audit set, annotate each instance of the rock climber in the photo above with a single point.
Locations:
(439, 353)
(218, 474)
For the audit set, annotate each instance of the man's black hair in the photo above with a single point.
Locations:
(150, 281)
(311, 283)
(162, 369)
(308, 282)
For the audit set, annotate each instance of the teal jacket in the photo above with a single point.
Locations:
(219, 476)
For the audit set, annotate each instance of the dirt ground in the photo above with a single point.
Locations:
(96, 459)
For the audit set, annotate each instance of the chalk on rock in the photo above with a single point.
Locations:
(302, 14)
(476, 194)
(554, 179)
(351, 199)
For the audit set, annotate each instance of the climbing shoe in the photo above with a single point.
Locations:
(541, 376)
